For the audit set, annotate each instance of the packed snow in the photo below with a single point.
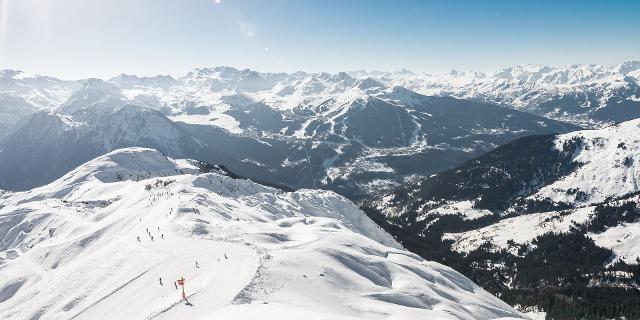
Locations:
(623, 240)
(110, 239)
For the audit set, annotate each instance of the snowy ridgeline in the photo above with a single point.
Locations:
(109, 239)
(587, 95)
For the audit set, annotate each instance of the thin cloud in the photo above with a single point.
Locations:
(247, 29)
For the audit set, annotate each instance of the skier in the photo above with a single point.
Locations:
(138, 237)
(225, 256)
(160, 280)
(197, 266)
(175, 284)
(162, 236)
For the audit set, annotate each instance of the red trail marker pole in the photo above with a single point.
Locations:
(181, 283)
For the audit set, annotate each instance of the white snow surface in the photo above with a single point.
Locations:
(521, 230)
(463, 208)
(609, 161)
(69, 250)
(623, 240)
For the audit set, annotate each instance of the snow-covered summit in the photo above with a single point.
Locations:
(369, 84)
(97, 95)
(129, 164)
(131, 125)
(110, 238)
(132, 81)
(583, 94)
(43, 92)
(8, 75)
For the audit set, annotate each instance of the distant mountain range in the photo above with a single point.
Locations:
(354, 136)
(585, 95)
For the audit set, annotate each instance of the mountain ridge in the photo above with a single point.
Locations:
(130, 222)
(585, 94)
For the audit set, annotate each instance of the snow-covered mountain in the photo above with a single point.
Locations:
(40, 91)
(585, 95)
(22, 94)
(108, 240)
(12, 110)
(542, 211)
(48, 145)
(354, 136)
(96, 96)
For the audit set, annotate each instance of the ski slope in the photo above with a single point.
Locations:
(70, 250)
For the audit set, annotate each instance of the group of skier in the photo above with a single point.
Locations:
(150, 235)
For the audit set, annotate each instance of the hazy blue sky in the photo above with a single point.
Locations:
(81, 38)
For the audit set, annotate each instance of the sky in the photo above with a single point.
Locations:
(74, 39)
